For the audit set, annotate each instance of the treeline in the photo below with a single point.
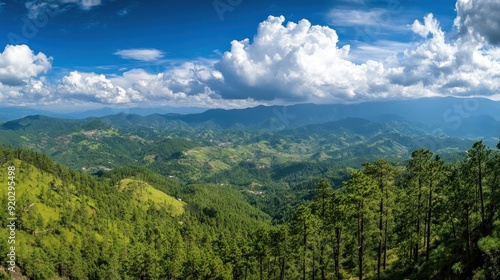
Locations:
(425, 220)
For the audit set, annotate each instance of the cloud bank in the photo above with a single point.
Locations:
(286, 62)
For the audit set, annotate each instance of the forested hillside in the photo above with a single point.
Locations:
(74, 226)
(422, 219)
(227, 194)
(250, 140)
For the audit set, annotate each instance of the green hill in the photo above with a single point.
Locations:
(144, 194)
(73, 226)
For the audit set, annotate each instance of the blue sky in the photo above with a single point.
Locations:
(194, 53)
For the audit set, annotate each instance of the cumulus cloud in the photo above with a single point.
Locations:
(284, 62)
(296, 61)
(479, 19)
(185, 81)
(458, 67)
(429, 61)
(19, 63)
(94, 87)
(34, 91)
(140, 54)
(186, 84)
(303, 62)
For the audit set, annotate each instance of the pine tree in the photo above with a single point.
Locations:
(435, 176)
(304, 226)
(478, 157)
(383, 174)
(361, 191)
(323, 193)
(418, 168)
(337, 223)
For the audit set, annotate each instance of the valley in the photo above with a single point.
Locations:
(258, 194)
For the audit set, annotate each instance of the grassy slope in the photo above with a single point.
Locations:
(144, 194)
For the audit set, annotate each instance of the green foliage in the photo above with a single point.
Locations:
(251, 205)
(74, 226)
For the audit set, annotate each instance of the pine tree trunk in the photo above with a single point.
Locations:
(467, 229)
(313, 265)
(385, 243)
(480, 178)
(417, 241)
(453, 227)
(493, 202)
(381, 230)
(338, 235)
(361, 239)
(261, 269)
(429, 220)
(322, 261)
(282, 270)
(304, 244)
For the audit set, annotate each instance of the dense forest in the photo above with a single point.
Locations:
(423, 218)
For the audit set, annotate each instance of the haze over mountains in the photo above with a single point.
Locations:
(467, 117)
(458, 117)
(13, 113)
(266, 135)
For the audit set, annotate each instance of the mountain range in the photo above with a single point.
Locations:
(219, 139)
(460, 117)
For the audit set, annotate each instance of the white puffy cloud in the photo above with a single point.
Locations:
(140, 54)
(188, 79)
(187, 84)
(283, 63)
(428, 61)
(21, 79)
(446, 67)
(303, 62)
(94, 87)
(479, 19)
(298, 61)
(19, 63)
(34, 91)
(37, 88)
(183, 85)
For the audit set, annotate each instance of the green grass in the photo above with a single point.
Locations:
(218, 165)
(30, 183)
(47, 213)
(145, 194)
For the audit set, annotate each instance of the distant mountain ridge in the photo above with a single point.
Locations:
(459, 117)
(427, 110)
(219, 139)
(467, 117)
(14, 113)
